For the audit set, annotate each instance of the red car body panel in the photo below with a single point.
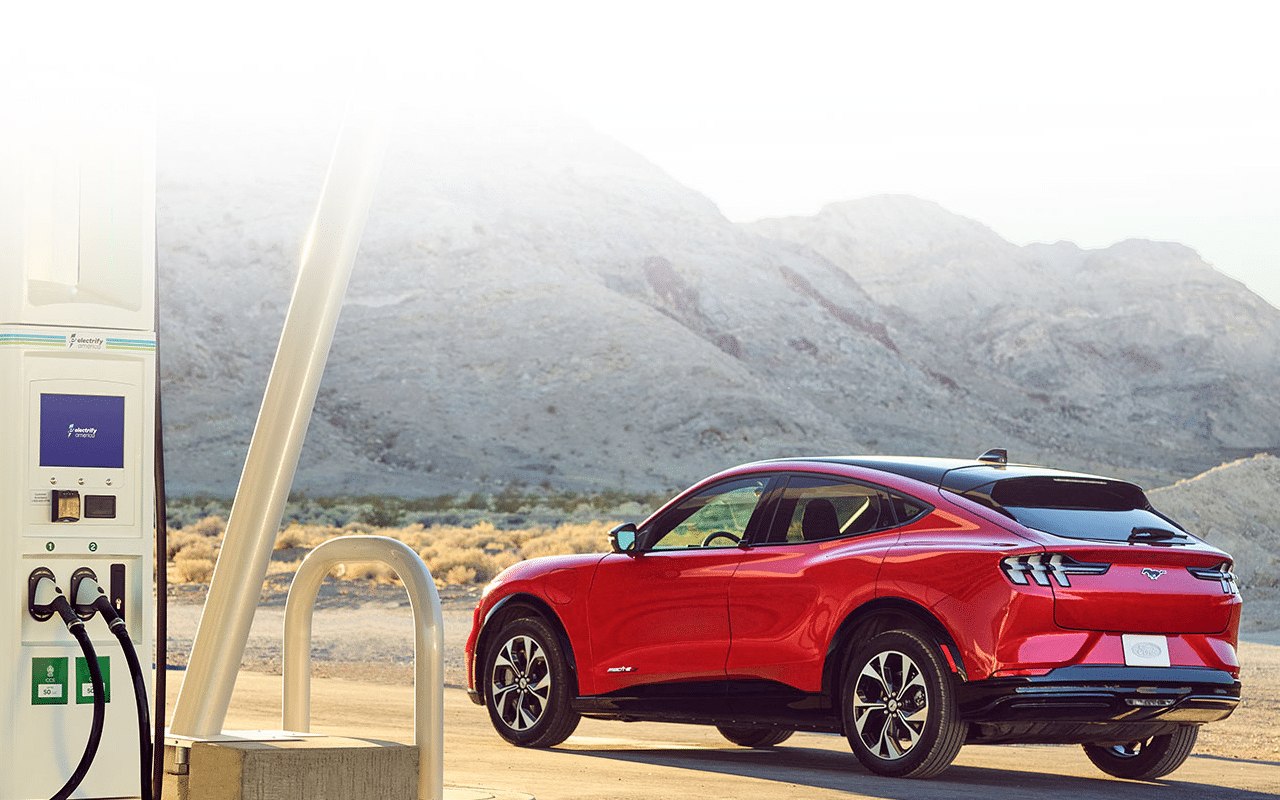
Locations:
(787, 601)
(1137, 602)
(660, 618)
(528, 579)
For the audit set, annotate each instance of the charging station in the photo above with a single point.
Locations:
(77, 414)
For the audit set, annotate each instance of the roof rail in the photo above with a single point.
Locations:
(995, 455)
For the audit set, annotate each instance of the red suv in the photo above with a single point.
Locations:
(911, 604)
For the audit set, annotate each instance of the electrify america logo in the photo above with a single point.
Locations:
(74, 432)
(78, 341)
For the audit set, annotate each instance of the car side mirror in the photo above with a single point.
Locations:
(622, 539)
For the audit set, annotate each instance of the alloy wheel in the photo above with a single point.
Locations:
(890, 705)
(520, 683)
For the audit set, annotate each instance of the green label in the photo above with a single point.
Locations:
(49, 681)
(84, 684)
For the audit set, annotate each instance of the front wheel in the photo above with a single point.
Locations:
(899, 708)
(1148, 760)
(528, 686)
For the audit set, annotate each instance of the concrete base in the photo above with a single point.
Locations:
(302, 767)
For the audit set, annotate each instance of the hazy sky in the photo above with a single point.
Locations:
(1091, 122)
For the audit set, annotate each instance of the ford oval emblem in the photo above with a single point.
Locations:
(1146, 650)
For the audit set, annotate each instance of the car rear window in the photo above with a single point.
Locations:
(1111, 526)
(1068, 493)
(1081, 508)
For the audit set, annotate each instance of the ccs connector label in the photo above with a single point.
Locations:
(84, 684)
(49, 681)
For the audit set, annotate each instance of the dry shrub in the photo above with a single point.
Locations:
(194, 570)
(291, 537)
(193, 557)
(197, 548)
(209, 526)
(460, 576)
(179, 540)
(480, 551)
(461, 556)
(209, 529)
(308, 536)
(482, 536)
(455, 560)
(586, 537)
(454, 554)
(283, 567)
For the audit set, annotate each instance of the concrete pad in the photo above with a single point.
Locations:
(301, 768)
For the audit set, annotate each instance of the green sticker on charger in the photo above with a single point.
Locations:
(84, 684)
(49, 681)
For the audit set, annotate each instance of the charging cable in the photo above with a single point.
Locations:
(44, 599)
(88, 597)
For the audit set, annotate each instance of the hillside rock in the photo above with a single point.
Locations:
(1139, 348)
(535, 303)
(1235, 507)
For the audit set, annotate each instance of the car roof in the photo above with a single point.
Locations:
(956, 474)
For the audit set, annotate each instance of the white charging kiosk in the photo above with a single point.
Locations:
(77, 413)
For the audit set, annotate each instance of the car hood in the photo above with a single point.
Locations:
(534, 568)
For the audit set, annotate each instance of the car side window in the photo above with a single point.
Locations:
(715, 517)
(908, 509)
(817, 509)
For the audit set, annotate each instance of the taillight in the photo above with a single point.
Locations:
(1221, 573)
(1042, 566)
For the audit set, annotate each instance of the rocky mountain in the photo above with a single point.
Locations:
(1139, 347)
(535, 303)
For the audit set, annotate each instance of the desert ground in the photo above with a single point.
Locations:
(363, 631)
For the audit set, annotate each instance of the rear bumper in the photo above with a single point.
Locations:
(1104, 694)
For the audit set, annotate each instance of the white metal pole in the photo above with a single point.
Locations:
(269, 468)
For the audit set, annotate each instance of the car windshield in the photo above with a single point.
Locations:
(1080, 508)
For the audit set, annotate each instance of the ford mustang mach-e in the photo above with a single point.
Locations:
(911, 604)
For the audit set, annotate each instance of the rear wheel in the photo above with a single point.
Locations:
(1147, 760)
(754, 735)
(528, 686)
(899, 707)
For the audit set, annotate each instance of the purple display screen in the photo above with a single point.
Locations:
(81, 430)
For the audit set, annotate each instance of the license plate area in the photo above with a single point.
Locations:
(1143, 650)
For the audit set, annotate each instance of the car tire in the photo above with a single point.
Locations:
(899, 706)
(528, 686)
(1148, 760)
(754, 735)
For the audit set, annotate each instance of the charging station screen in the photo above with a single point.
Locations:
(81, 430)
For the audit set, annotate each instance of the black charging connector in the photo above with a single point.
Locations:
(88, 598)
(44, 599)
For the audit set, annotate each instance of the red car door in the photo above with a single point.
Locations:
(820, 558)
(660, 612)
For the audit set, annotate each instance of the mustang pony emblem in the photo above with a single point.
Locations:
(1153, 574)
